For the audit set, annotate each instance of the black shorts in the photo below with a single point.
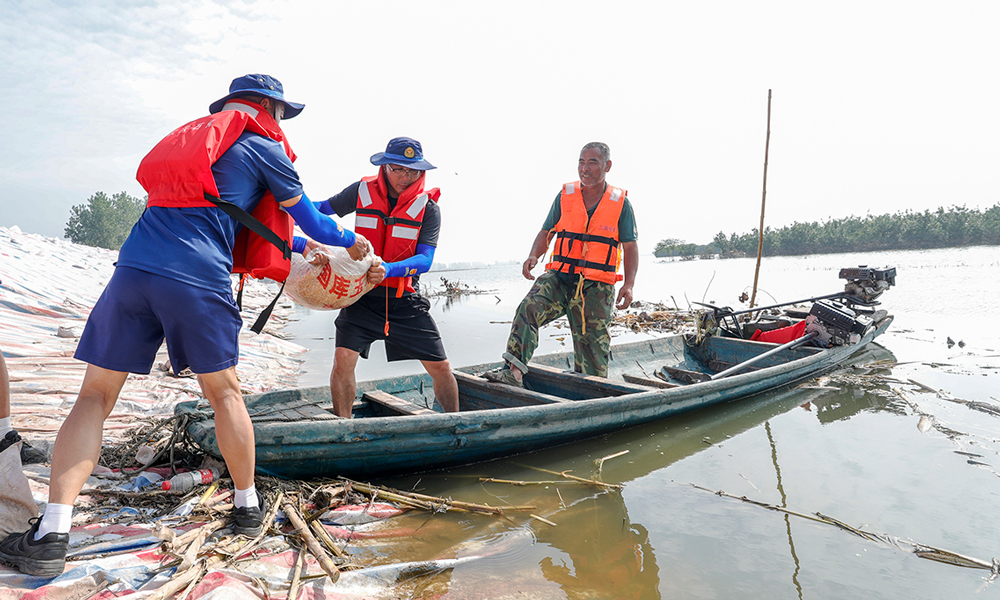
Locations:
(413, 334)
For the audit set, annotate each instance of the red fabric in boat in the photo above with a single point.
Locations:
(782, 335)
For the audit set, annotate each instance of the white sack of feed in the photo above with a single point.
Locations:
(327, 278)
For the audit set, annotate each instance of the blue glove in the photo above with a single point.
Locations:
(415, 265)
(319, 227)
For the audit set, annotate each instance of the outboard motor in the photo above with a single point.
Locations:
(849, 315)
(867, 284)
(846, 315)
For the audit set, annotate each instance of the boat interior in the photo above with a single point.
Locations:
(635, 368)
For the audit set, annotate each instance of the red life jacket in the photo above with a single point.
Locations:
(177, 172)
(782, 335)
(393, 234)
(585, 244)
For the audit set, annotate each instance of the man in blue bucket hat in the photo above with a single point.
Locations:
(402, 221)
(206, 180)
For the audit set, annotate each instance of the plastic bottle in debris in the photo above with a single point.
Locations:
(142, 480)
(183, 483)
(145, 454)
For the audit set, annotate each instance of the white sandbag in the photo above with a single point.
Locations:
(16, 503)
(328, 279)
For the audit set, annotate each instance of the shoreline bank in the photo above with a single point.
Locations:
(47, 289)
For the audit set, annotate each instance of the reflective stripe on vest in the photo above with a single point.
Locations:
(364, 197)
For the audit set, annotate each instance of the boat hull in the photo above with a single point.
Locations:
(575, 407)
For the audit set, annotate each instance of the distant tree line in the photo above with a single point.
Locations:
(907, 230)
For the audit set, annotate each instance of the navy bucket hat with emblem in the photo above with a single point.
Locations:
(258, 85)
(403, 151)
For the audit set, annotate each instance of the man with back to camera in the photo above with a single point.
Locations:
(592, 221)
(402, 222)
(173, 281)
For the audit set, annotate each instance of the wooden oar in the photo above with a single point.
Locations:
(739, 367)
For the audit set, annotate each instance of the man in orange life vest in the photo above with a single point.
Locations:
(172, 282)
(590, 220)
(402, 221)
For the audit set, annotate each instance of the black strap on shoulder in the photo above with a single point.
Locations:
(253, 224)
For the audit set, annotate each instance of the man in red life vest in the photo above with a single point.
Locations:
(172, 282)
(402, 221)
(591, 221)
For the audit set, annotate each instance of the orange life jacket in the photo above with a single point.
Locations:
(177, 172)
(588, 245)
(393, 234)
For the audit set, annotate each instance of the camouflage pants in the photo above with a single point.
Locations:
(550, 298)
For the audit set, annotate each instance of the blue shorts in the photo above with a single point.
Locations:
(138, 310)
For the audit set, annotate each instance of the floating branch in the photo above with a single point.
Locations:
(921, 550)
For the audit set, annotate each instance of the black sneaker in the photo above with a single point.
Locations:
(29, 454)
(45, 558)
(9, 440)
(249, 520)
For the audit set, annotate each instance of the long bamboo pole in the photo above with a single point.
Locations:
(763, 197)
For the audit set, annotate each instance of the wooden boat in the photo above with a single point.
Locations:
(398, 427)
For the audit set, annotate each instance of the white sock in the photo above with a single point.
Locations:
(57, 518)
(247, 497)
(4, 426)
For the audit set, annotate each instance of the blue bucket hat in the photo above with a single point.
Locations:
(403, 151)
(258, 85)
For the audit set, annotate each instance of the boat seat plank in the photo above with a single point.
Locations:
(395, 404)
(685, 376)
(587, 385)
(645, 381)
(315, 411)
(479, 390)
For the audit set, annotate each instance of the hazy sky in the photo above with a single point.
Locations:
(877, 106)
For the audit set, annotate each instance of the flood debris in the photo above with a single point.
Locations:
(185, 545)
(455, 289)
(921, 550)
(652, 317)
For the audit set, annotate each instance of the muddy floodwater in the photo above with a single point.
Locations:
(903, 449)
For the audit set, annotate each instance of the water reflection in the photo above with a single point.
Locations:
(603, 554)
(852, 391)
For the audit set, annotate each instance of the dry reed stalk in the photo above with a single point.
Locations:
(310, 540)
(427, 502)
(185, 538)
(211, 502)
(543, 520)
(600, 461)
(566, 474)
(513, 482)
(324, 536)
(183, 579)
(300, 561)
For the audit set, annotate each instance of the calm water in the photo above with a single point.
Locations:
(876, 452)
